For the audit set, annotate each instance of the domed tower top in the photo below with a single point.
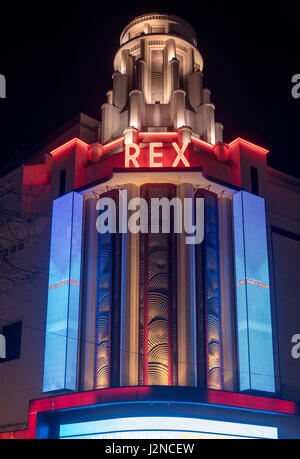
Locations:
(157, 81)
(155, 23)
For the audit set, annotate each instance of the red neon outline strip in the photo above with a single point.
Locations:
(201, 143)
(160, 134)
(113, 143)
(251, 402)
(71, 142)
(249, 144)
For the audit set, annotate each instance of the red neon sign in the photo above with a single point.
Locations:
(156, 156)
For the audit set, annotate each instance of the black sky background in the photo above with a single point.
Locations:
(57, 59)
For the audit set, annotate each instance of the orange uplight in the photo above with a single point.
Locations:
(257, 283)
(69, 281)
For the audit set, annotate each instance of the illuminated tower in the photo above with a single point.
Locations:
(141, 324)
(160, 311)
(158, 81)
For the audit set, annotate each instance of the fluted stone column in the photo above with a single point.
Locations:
(219, 132)
(119, 90)
(174, 74)
(178, 108)
(195, 83)
(137, 104)
(140, 74)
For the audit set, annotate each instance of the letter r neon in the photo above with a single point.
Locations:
(132, 157)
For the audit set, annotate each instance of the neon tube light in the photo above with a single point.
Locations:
(249, 144)
(70, 143)
(201, 143)
(160, 134)
(114, 143)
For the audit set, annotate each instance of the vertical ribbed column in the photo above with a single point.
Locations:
(158, 303)
(174, 74)
(200, 311)
(177, 109)
(108, 309)
(129, 339)
(186, 288)
(208, 293)
(229, 351)
(195, 83)
(137, 103)
(140, 74)
(119, 90)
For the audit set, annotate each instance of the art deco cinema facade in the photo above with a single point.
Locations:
(143, 335)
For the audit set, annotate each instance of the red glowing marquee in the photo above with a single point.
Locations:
(148, 394)
(155, 155)
(156, 150)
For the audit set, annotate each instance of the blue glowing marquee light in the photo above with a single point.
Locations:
(60, 361)
(254, 324)
(159, 427)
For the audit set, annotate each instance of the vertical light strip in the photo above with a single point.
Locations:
(229, 346)
(208, 297)
(124, 329)
(108, 311)
(186, 294)
(61, 345)
(254, 325)
(103, 312)
(212, 293)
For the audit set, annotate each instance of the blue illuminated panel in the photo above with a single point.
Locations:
(254, 325)
(164, 427)
(60, 361)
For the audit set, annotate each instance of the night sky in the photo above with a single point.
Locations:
(57, 61)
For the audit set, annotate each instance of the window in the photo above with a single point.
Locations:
(254, 181)
(62, 182)
(12, 334)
